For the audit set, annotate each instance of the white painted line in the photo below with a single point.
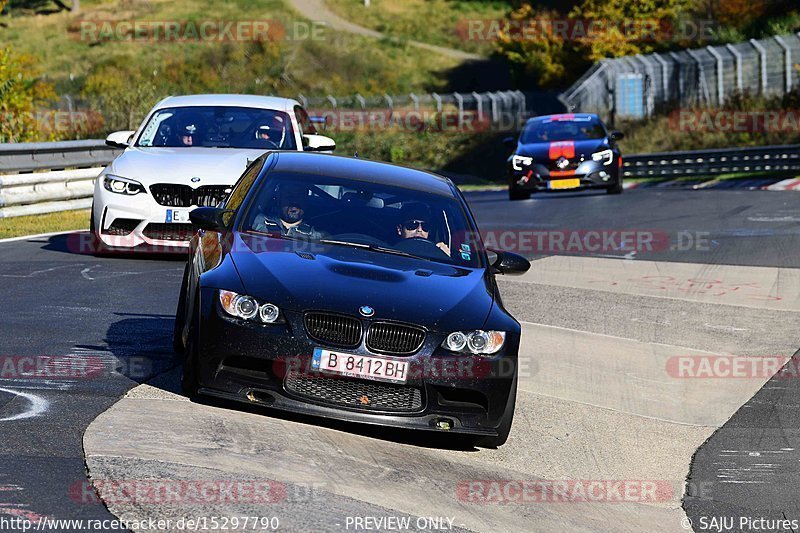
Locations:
(38, 235)
(38, 406)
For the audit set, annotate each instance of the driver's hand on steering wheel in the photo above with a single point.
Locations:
(443, 247)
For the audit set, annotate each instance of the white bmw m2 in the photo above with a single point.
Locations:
(188, 153)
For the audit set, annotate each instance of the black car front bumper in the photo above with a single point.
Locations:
(539, 178)
(270, 365)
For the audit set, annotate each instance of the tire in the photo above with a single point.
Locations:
(616, 188)
(504, 429)
(180, 315)
(516, 194)
(189, 384)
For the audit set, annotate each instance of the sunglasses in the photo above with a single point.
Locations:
(411, 225)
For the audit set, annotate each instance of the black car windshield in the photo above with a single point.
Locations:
(552, 130)
(363, 214)
(219, 127)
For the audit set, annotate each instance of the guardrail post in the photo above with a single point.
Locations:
(762, 54)
(739, 74)
(720, 68)
(787, 55)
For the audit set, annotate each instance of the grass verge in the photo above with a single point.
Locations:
(47, 223)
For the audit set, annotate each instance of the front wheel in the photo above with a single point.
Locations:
(517, 194)
(616, 188)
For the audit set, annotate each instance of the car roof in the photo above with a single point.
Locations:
(362, 170)
(565, 117)
(229, 100)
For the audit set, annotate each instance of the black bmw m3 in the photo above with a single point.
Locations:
(354, 290)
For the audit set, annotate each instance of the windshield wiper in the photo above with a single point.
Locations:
(373, 248)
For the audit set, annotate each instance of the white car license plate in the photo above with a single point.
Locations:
(360, 366)
(177, 215)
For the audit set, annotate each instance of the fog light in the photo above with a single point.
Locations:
(444, 424)
(604, 175)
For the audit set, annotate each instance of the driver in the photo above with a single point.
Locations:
(289, 221)
(415, 224)
(188, 135)
(273, 131)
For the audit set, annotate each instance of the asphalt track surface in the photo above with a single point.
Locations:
(117, 313)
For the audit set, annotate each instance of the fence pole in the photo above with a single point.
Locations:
(479, 104)
(438, 100)
(664, 80)
(720, 68)
(332, 100)
(739, 74)
(303, 100)
(787, 55)
(762, 53)
(415, 99)
(460, 101)
(361, 101)
(678, 68)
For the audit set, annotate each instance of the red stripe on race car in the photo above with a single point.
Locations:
(565, 148)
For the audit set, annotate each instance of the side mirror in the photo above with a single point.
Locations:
(318, 143)
(211, 218)
(508, 263)
(120, 139)
(616, 135)
(510, 142)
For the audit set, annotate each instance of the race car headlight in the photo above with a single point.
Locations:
(606, 156)
(248, 308)
(122, 185)
(477, 342)
(518, 161)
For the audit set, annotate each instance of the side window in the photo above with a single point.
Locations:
(241, 188)
(304, 122)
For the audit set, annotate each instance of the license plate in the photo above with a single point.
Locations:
(177, 215)
(565, 184)
(360, 366)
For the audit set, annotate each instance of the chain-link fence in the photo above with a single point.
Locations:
(634, 86)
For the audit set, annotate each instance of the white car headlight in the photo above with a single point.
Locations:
(606, 156)
(248, 308)
(478, 342)
(518, 161)
(122, 185)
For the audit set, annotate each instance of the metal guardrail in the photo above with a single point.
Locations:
(779, 160)
(72, 167)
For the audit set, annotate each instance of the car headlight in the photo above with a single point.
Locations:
(248, 308)
(478, 342)
(606, 156)
(518, 161)
(122, 185)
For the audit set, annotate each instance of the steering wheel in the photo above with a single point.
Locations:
(270, 144)
(421, 246)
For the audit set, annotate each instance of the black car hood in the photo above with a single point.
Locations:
(302, 276)
(545, 151)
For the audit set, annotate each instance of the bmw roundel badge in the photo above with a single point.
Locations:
(366, 310)
(195, 180)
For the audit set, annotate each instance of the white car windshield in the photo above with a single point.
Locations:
(219, 127)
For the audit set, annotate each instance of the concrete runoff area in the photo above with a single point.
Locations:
(593, 410)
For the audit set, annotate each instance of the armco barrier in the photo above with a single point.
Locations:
(59, 176)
